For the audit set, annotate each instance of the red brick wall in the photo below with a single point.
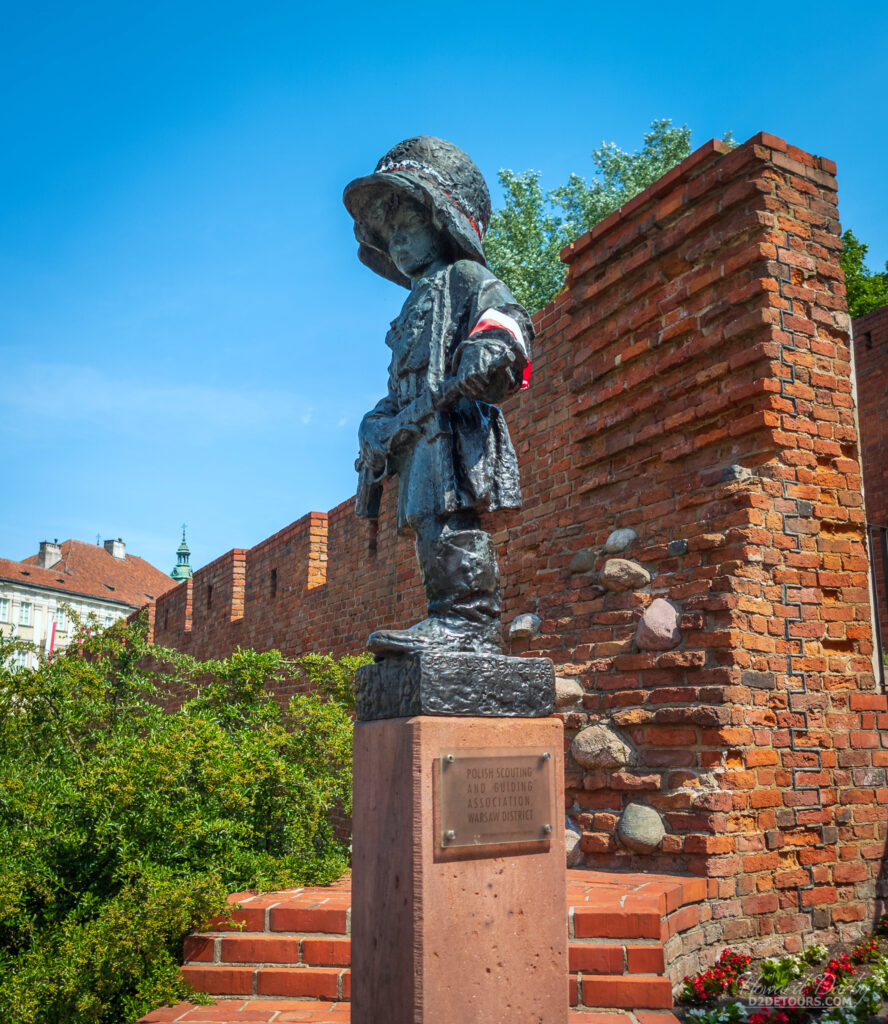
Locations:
(217, 606)
(871, 369)
(693, 383)
(871, 366)
(705, 329)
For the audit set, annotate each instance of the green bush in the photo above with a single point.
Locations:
(123, 826)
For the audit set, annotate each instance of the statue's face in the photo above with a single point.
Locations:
(415, 245)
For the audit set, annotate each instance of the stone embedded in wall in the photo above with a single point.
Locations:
(582, 561)
(572, 837)
(598, 746)
(619, 540)
(621, 574)
(527, 625)
(568, 692)
(640, 828)
(658, 627)
(736, 472)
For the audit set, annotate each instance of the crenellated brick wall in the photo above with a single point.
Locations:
(691, 383)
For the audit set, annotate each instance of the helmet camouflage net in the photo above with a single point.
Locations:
(442, 178)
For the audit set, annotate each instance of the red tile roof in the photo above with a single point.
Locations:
(90, 571)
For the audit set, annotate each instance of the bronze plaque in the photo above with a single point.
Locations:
(496, 796)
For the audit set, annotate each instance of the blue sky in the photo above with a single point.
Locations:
(185, 331)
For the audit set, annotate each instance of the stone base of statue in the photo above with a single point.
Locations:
(455, 683)
(458, 871)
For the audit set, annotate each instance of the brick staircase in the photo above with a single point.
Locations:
(286, 956)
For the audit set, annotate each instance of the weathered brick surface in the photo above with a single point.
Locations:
(871, 363)
(692, 382)
(871, 369)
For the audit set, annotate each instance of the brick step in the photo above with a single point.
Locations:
(293, 981)
(606, 958)
(278, 1011)
(629, 992)
(588, 957)
(624, 929)
(314, 910)
(251, 948)
(254, 1011)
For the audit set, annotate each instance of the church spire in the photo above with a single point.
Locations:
(182, 571)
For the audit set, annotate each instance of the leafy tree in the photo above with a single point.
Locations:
(525, 238)
(123, 826)
(866, 289)
(623, 175)
(524, 242)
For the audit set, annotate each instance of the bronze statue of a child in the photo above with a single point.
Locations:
(460, 344)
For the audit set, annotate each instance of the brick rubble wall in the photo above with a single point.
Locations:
(691, 383)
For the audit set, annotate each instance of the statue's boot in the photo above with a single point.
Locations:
(436, 633)
(461, 582)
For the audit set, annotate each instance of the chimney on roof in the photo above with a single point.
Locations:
(116, 548)
(50, 554)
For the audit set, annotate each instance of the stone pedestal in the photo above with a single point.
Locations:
(452, 934)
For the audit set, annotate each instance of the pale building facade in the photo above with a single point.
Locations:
(38, 594)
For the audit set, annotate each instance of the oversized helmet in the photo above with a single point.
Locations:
(442, 178)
